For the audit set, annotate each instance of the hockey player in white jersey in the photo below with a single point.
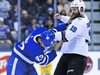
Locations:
(30, 51)
(76, 37)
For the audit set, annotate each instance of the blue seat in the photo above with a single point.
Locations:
(5, 46)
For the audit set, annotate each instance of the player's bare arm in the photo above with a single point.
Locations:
(58, 45)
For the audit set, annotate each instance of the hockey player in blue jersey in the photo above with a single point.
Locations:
(31, 51)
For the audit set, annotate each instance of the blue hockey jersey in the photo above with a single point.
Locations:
(31, 52)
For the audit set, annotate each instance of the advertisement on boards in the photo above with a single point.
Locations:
(3, 61)
(92, 68)
(92, 63)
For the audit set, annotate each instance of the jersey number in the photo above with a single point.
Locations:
(39, 58)
(23, 43)
(73, 29)
(22, 47)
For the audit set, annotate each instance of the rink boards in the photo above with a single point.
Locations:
(93, 64)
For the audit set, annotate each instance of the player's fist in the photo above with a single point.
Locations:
(57, 16)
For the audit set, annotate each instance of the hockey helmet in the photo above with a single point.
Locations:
(79, 4)
(47, 38)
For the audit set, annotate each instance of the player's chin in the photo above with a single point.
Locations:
(74, 14)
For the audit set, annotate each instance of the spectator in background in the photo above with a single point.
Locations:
(26, 20)
(33, 27)
(41, 2)
(45, 7)
(49, 23)
(64, 6)
(13, 10)
(49, 14)
(23, 2)
(63, 12)
(4, 8)
(14, 23)
(4, 32)
(12, 2)
(31, 7)
(14, 28)
(34, 21)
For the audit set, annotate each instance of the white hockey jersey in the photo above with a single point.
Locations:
(77, 34)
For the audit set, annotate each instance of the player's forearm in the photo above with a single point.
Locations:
(61, 27)
(58, 45)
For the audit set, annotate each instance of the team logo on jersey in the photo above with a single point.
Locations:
(3, 63)
(89, 65)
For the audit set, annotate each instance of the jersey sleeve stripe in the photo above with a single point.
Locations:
(45, 59)
(42, 61)
(14, 66)
(23, 57)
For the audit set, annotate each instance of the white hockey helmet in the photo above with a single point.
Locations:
(79, 4)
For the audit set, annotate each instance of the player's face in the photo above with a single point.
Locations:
(75, 10)
(40, 41)
(75, 13)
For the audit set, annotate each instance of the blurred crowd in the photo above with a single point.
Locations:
(34, 14)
